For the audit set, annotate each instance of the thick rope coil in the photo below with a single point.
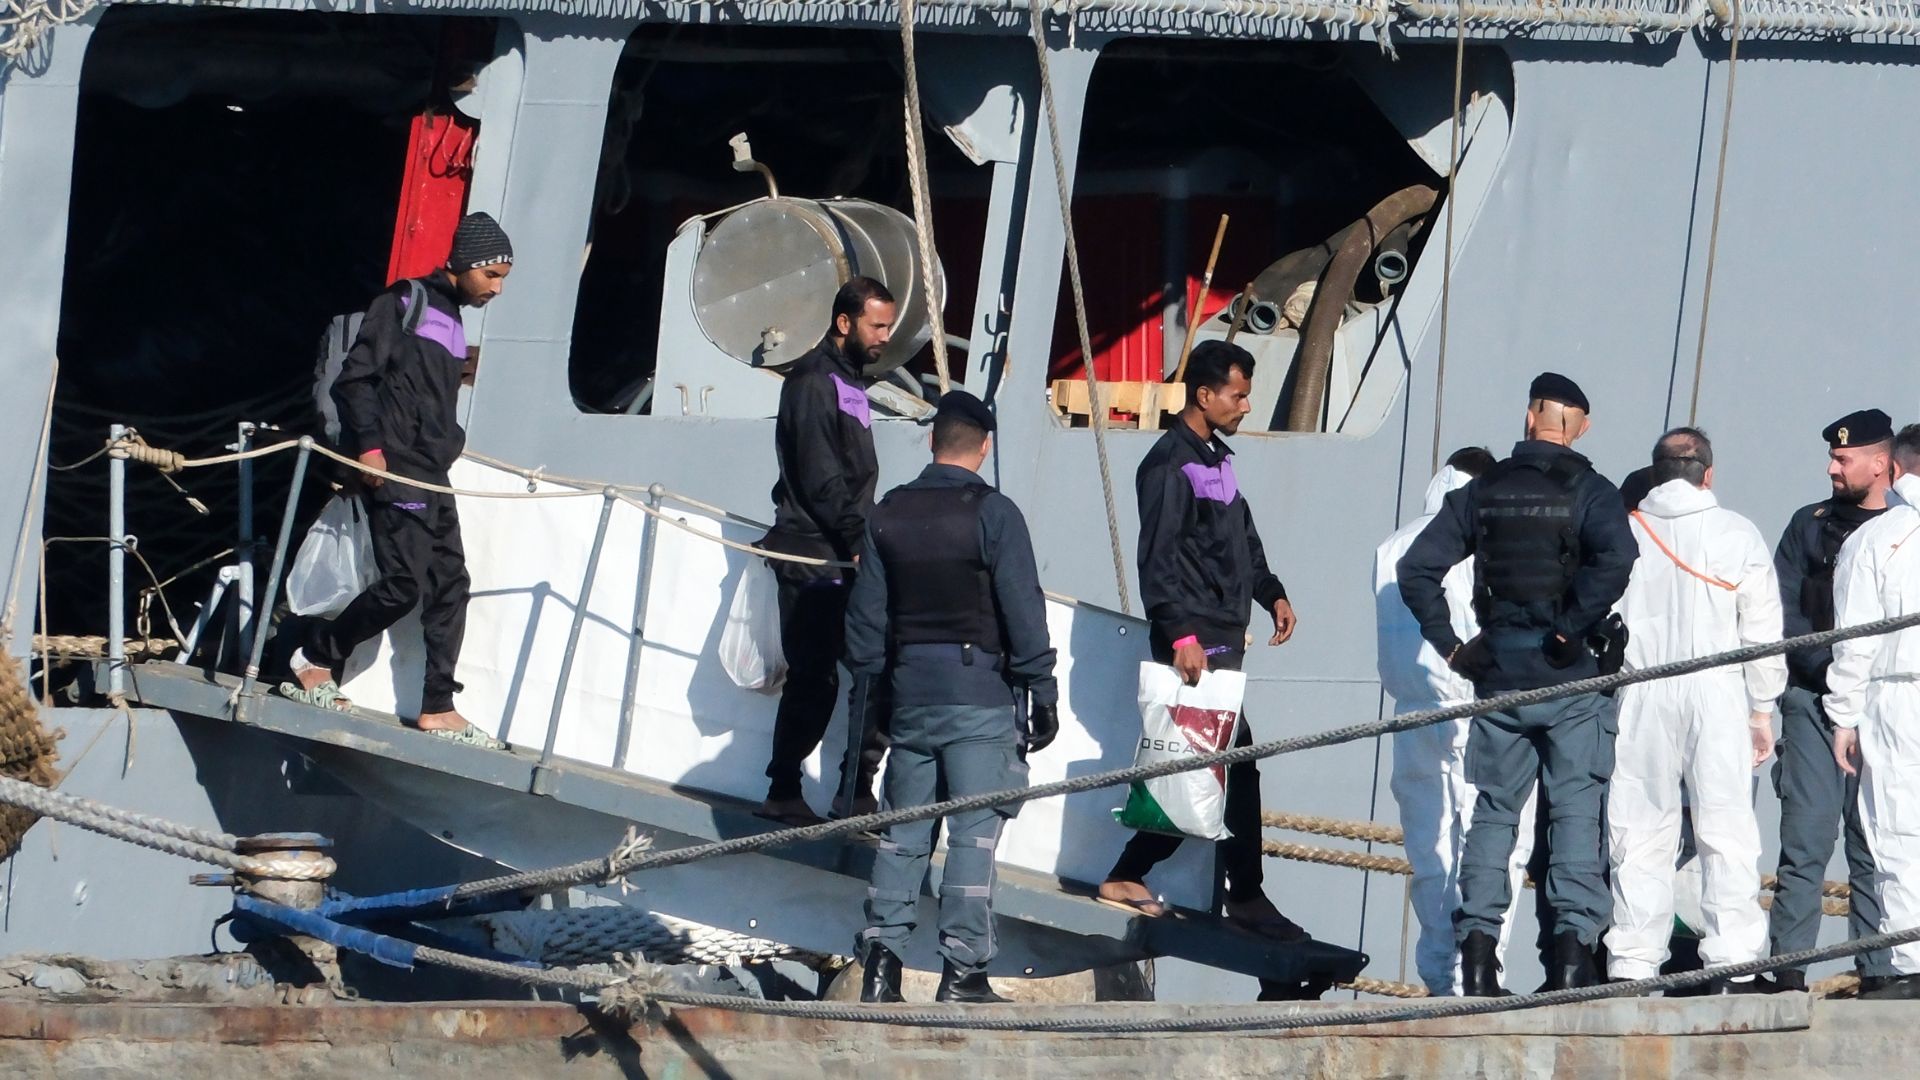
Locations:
(1354, 860)
(132, 447)
(86, 815)
(1384, 987)
(94, 647)
(1844, 985)
(1371, 832)
(27, 753)
(922, 201)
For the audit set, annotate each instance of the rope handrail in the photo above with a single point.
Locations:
(599, 869)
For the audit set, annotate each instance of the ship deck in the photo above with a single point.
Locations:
(680, 815)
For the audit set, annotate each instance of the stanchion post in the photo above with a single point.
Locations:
(649, 532)
(609, 496)
(243, 547)
(264, 622)
(116, 566)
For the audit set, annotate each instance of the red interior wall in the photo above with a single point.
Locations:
(433, 193)
(1120, 238)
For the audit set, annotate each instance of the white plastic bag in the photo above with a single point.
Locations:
(750, 649)
(335, 561)
(1179, 721)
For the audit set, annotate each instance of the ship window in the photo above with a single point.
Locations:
(658, 328)
(237, 181)
(1286, 141)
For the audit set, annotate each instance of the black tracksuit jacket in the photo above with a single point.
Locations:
(399, 393)
(824, 443)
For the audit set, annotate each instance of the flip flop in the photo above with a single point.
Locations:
(325, 696)
(466, 736)
(1149, 907)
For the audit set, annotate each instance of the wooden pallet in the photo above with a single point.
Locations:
(1129, 404)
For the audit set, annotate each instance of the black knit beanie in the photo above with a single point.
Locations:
(479, 241)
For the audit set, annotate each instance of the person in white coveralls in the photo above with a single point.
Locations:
(1430, 763)
(1873, 699)
(1704, 583)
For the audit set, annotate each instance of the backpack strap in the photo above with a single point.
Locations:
(414, 307)
(1677, 561)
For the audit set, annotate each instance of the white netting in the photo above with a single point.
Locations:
(24, 22)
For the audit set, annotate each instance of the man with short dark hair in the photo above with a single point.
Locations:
(1816, 796)
(1551, 554)
(1873, 700)
(1429, 763)
(948, 608)
(398, 394)
(1703, 584)
(827, 474)
(1202, 568)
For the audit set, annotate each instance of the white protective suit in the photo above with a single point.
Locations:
(1429, 763)
(1692, 729)
(1874, 686)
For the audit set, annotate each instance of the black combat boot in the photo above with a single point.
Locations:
(1785, 980)
(1480, 966)
(1572, 963)
(882, 982)
(1893, 988)
(970, 989)
(1722, 987)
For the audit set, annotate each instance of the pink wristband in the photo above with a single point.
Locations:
(1190, 639)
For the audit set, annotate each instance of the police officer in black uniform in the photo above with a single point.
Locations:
(1552, 552)
(948, 607)
(1815, 795)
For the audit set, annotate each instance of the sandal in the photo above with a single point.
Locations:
(327, 695)
(1148, 906)
(466, 736)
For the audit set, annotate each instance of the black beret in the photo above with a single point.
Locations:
(959, 403)
(1551, 387)
(1863, 428)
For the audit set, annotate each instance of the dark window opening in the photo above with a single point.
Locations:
(1280, 138)
(822, 109)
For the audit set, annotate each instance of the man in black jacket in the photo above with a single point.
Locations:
(824, 442)
(1552, 552)
(1816, 797)
(948, 608)
(1201, 569)
(398, 395)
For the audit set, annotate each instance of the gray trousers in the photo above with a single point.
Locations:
(942, 752)
(1568, 745)
(1815, 799)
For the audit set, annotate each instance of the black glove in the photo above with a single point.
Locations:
(1473, 660)
(1562, 653)
(1043, 723)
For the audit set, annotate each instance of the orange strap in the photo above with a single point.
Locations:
(1668, 552)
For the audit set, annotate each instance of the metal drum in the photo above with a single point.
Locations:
(764, 281)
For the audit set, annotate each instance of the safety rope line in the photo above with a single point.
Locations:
(597, 869)
(918, 182)
(1371, 832)
(154, 833)
(173, 461)
(1097, 408)
(1713, 231)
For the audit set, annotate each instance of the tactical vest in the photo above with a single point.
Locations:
(1527, 538)
(1816, 588)
(938, 589)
